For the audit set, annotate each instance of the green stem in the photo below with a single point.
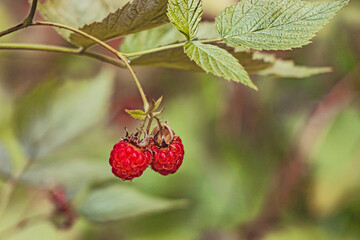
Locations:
(138, 85)
(79, 32)
(73, 51)
(154, 50)
(171, 46)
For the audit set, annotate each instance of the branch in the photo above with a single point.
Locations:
(27, 21)
(31, 15)
(65, 50)
(294, 168)
(171, 46)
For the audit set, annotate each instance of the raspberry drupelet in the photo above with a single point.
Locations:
(129, 160)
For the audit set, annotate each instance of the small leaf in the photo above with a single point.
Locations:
(136, 114)
(274, 24)
(119, 202)
(218, 62)
(185, 15)
(54, 113)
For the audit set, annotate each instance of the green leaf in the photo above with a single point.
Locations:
(274, 24)
(185, 15)
(288, 69)
(176, 58)
(218, 62)
(119, 202)
(106, 19)
(139, 15)
(253, 61)
(136, 114)
(55, 113)
(77, 13)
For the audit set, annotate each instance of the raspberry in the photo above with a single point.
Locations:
(129, 161)
(168, 158)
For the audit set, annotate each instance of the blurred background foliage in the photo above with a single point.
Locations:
(281, 163)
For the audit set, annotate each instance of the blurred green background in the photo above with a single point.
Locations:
(281, 163)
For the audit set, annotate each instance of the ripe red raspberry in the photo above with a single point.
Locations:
(129, 161)
(167, 158)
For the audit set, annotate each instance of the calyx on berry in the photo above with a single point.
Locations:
(163, 135)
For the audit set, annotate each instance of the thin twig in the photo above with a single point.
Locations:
(31, 14)
(13, 29)
(171, 46)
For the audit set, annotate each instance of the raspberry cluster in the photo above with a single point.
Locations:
(162, 150)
